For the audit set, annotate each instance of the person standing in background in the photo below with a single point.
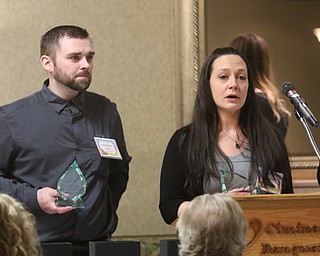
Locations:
(42, 135)
(256, 50)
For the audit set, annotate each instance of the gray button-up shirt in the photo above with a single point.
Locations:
(40, 137)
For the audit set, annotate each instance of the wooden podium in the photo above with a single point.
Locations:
(282, 224)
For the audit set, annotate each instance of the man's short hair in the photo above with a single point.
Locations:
(51, 39)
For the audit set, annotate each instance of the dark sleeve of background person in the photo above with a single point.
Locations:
(282, 125)
(287, 178)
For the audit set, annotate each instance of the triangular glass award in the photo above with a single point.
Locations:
(71, 187)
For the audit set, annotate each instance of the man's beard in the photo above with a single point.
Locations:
(71, 83)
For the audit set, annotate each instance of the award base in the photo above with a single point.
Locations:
(62, 203)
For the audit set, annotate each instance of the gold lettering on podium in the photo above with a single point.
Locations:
(293, 250)
(278, 228)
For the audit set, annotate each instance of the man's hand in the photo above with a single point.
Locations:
(47, 201)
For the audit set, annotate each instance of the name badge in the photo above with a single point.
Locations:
(108, 148)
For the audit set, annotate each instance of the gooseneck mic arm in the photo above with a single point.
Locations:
(313, 143)
(318, 174)
(302, 113)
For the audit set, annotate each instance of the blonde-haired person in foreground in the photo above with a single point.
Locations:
(212, 225)
(18, 235)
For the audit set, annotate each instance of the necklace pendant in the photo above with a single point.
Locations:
(238, 146)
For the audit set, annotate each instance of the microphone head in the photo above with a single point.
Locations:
(286, 87)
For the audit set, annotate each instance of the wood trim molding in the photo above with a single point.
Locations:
(189, 54)
(304, 162)
(304, 174)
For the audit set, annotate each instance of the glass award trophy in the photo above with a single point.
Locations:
(71, 187)
(231, 180)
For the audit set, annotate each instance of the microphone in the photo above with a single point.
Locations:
(299, 103)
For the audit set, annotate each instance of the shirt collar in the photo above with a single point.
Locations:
(58, 103)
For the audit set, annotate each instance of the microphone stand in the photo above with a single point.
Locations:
(313, 143)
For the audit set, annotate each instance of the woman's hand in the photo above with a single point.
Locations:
(239, 191)
(182, 207)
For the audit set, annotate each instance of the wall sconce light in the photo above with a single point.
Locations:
(316, 32)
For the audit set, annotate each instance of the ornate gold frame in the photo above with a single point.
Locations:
(189, 47)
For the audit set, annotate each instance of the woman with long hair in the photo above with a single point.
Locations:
(229, 133)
